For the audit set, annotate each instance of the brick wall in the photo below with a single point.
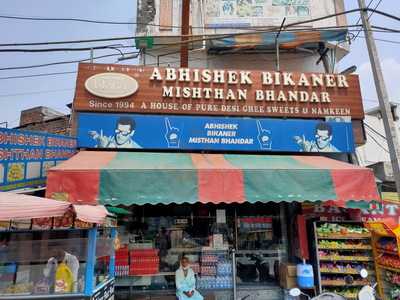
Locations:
(31, 116)
(45, 119)
(60, 125)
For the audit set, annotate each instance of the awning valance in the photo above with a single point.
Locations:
(21, 207)
(127, 178)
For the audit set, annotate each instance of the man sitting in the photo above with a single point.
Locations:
(186, 282)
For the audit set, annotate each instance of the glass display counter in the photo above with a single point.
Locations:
(59, 263)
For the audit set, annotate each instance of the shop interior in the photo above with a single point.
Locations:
(206, 234)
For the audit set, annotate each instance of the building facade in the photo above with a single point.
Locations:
(45, 119)
(375, 152)
(214, 161)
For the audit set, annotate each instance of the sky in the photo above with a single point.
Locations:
(57, 91)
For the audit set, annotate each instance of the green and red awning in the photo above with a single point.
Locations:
(127, 178)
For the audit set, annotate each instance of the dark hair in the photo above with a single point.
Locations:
(127, 121)
(184, 257)
(324, 127)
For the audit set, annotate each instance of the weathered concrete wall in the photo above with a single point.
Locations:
(299, 61)
(213, 14)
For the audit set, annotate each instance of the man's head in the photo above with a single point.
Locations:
(59, 254)
(124, 130)
(323, 135)
(185, 263)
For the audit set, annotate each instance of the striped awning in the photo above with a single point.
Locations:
(127, 178)
(22, 207)
(286, 39)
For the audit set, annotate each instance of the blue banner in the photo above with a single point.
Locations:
(25, 157)
(212, 133)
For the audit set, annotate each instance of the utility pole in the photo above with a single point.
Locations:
(385, 107)
(185, 33)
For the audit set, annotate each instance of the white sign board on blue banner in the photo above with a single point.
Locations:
(156, 132)
(25, 156)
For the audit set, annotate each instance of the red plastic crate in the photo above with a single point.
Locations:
(122, 252)
(140, 270)
(121, 262)
(144, 260)
(143, 252)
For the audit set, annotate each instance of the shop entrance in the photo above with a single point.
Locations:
(206, 234)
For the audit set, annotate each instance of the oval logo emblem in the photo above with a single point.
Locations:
(111, 85)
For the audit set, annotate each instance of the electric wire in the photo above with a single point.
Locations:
(64, 62)
(31, 18)
(273, 29)
(358, 21)
(36, 92)
(152, 64)
(377, 143)
(376, 132)
(65, 49)
(214, 36)
(382, 40)
(38, 75)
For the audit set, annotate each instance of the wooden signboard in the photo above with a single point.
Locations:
(117, 88)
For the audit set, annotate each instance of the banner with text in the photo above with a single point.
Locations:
(212, 133)
(138, 89)
(25, 157)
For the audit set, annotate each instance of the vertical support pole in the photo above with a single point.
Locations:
(234, 274)
(90, 262)
(112, 254)
(383, 97)
(277, 47)
(284, 229)
(278, 65)
(91, 55)
(317, 256)
(185, 33)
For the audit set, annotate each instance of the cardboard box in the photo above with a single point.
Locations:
(289, 269)
(287, 275)
(288, 282)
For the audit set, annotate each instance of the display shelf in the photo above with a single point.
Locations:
(386, 251)
(340, 271)
(149, 275)
(388, 268)
(345, 258)
(342, 249)
(354, 248)
(344, 237)
(385, 244)
(342, 283)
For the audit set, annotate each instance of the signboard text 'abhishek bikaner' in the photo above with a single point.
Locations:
(239, 81)
(138, 89)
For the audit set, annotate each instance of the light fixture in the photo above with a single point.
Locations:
(349, 70)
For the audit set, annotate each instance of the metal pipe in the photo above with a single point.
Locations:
(277, 47)
(184, 33)
(278, 67)
(234, 274)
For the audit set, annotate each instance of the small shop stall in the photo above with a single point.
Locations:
(343, 249)
(52, 249)
(386, 245)
(231, 215)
